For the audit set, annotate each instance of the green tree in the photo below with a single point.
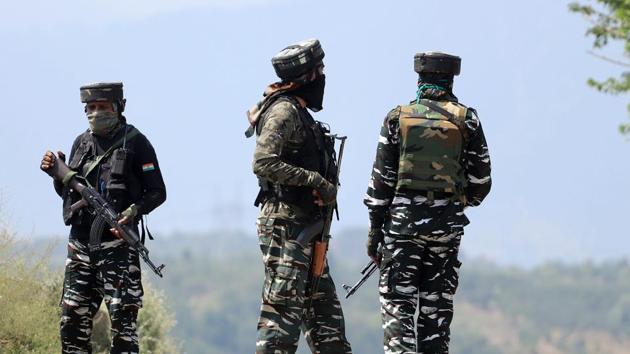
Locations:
(610, 21)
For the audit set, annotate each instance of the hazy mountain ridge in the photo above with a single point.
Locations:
(553, 308)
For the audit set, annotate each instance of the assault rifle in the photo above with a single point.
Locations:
(321, 227)
(101, 208)
(366, 272)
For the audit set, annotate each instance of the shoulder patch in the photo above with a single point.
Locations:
(149, 166)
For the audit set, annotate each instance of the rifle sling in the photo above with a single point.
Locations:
(99, 224)
(128, 135)
(437, 108)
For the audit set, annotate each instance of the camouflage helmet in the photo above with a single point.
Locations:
(297, 59)
(437, 62)
(103, 91)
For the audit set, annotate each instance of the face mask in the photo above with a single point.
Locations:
(313, 93)
(102, 123)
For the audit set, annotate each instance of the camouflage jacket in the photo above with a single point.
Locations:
(280, 132)
(409, 212)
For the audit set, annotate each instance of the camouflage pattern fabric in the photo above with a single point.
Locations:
(431, 147)
(111, 274)
(408, 212)
(422, 237)
(419, 272)
(287, 265)
(282, 132)
(269, 95)
(285, 297)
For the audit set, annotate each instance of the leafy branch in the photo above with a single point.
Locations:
(610, 23)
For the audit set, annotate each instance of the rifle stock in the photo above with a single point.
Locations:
(318, 260)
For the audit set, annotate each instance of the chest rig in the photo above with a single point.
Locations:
(107, 168)
(432, 139)
(314, 151)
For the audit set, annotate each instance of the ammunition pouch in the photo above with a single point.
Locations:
(117, 169)
(114, 179)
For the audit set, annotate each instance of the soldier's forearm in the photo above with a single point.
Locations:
(377, 218)
(476, 193)
(279, 172)
(151, 200)
(377, 209)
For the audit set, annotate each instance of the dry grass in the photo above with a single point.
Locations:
(30, 312)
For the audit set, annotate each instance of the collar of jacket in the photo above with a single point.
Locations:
(438, 95)
(253, 114)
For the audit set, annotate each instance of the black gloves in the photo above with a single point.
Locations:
(375, 238)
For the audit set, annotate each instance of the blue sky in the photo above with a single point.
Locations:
(192, 68)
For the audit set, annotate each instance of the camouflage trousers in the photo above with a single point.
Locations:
(285, 310)
(419, 276)
(111, 274)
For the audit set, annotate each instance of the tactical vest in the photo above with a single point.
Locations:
(314, 153)
(119, 190)
(432, 139)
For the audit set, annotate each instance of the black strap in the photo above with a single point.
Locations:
(437, 108)
(145, 226)
(451, 117)
(262, 195)
(122, 141)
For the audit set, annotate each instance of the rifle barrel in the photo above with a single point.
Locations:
(365, 269)
(367, 272)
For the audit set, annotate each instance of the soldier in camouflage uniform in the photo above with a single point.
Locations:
(119, 161)
(289, 162)
(431, 163)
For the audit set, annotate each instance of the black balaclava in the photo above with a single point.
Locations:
(312, 93)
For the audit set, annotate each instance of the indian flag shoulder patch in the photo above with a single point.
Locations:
(148, 167)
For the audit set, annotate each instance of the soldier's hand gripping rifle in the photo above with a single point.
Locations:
(367, 272)
(321, 227)
(100, 207)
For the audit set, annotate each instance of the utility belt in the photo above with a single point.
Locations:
(439, 195)
(436, 195)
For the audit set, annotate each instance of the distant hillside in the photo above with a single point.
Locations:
(552, 309)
